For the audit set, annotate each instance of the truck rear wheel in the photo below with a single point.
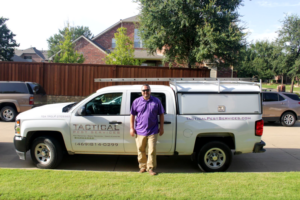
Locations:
(46, 152)
(215, 156)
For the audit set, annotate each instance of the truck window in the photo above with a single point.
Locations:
(13, 88)
(201, 103)
(160, 96)
(270, 97)
(106, 104)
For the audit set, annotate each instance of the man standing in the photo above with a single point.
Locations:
(146, 108)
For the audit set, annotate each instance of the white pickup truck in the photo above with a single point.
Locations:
(209, 119)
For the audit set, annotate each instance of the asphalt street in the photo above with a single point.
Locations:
(282, 145)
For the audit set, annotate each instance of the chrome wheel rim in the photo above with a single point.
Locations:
(42, 153)
(8, 114)
(215, 158)
(288, 119)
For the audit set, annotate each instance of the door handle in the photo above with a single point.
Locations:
(114, 122)
(166, 122)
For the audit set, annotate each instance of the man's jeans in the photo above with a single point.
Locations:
(141, 143)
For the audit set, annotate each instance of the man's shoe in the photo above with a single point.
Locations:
(151, 172)
(142, 170)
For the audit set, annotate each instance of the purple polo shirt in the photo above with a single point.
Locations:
(146, 115)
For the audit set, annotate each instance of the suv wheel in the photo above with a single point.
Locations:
(288, 119)
(46, 152)
(8, 114)
(214, 157)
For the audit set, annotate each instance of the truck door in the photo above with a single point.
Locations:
(101, 130)
(165, 143)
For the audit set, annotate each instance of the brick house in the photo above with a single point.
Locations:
(30, 55)
(94, 50)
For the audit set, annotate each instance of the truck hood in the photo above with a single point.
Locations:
(47, 111)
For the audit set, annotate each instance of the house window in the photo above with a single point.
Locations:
(138, 43)
(28, 58)
(148, 64)
(113, 43)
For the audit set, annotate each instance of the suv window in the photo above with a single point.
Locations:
(281, 98)
(270, 97)
(160, 96)
(13, 88)
(37, 88)
(293, 96)
(106, 104)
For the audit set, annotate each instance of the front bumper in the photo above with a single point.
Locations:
(259, 147)
(20, 146)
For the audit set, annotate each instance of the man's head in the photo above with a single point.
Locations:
(146, 91)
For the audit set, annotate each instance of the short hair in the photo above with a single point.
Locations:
(147, 86)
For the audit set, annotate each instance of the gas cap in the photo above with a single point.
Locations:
(187, 133)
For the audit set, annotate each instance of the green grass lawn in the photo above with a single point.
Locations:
(274, 86)
(52, 184)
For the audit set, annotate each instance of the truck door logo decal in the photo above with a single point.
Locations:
(93, 127)
(94, 131)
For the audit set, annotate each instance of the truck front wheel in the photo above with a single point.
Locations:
(46, 152)
(215, 156)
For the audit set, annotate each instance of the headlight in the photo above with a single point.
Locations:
(18, 127)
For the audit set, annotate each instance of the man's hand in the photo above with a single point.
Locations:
(132, 132)
(161, 131)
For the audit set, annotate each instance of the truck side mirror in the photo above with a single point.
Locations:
(81, 111)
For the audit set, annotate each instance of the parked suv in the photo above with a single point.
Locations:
(281, 107)
(16, 97)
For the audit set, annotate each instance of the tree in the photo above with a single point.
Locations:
(7, 42)
(123, 54)
(281, 64)
(257, 60)
(67, 53)
(191, 31)
(289, 40)
(76, 31)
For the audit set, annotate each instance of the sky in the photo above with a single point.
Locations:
(34, 21)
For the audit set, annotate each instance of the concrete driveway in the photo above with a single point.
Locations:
(283, 154)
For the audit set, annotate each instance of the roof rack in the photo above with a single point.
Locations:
(171, 79)
(174, 81)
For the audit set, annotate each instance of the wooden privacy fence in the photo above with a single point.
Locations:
(78, 79)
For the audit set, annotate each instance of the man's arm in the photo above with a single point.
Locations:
(132, 130)
(161, 126)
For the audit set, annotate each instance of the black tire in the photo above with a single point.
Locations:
(46, 152)
(8, 114)
(288, 119)
(214, 150)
